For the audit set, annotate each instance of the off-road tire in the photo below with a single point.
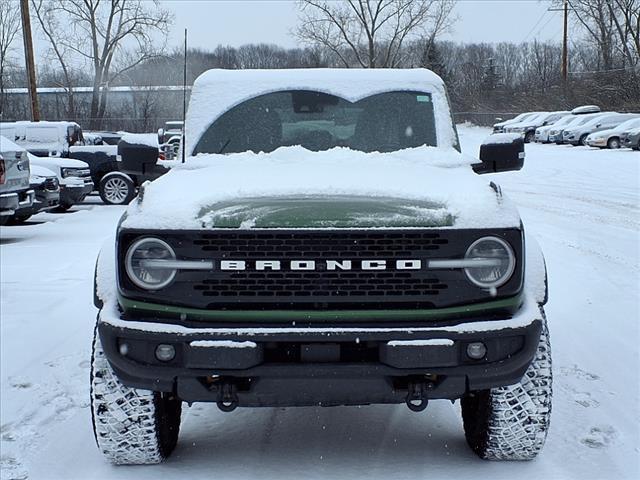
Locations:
(131, 426)
(116, 188)
(511, 423)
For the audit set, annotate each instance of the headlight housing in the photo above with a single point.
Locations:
(69, 172)
(140, 267)
(495, 262)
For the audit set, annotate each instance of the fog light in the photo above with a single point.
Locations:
(124, 349)
(476, 350)
(165, 353)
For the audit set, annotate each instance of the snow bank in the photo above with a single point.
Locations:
(216, 91)
(181, 198)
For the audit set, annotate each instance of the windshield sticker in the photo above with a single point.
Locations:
(423, 98)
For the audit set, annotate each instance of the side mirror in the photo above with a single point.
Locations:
(160, 136)
(503, 152)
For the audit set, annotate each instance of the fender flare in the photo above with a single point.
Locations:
(535, 279)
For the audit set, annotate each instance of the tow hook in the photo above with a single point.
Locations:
(417, 399)
(227, 398)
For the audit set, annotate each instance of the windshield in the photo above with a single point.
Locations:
(565, 120)
(634, 122)
(318, 121)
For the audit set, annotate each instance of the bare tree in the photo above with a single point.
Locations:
(371, 33)
(51, 28)
(112, 36)
(9, 28)
(613, 27)
(626, 18)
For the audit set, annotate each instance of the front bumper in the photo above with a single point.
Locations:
(597, 142)
(44, 200)
(8, 203)
(73, 194)
(298, 366)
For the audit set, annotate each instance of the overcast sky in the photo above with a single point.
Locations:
(251, 21)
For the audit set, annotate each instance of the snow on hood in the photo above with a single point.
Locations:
(216, 91)
(7, 145)
(38, 171)
(56, 162)
(178, 199)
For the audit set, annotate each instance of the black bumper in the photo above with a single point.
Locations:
(71, 195)
(261, 368)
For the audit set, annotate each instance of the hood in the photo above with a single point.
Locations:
(340, 188)
(325, 212)
(38, 171)
(55, 162)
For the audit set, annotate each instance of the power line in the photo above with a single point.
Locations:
(534, 27)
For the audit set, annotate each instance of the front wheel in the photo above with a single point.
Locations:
(613, 143)
(511, 423)
(529, 137)
(131, 426)
(116, 188)
(583, 140)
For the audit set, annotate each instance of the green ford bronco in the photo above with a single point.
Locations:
(324, 243)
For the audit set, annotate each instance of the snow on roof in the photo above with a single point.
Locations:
(216, 91)
(180, 198)
(148, 139)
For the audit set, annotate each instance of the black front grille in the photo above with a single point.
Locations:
(51, 184)
(322, 289)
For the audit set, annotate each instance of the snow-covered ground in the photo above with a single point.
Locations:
(581, 204)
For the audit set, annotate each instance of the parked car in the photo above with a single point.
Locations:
(273, 269)
(631, 139)
(15, 191)
(67, 140)
(527, 128)
(556, 134)
(611, 138)
(45, 184)
(500, 127)
(577, 134)
(73, 175)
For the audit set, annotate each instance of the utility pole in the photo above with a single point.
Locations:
(29, 61)
(565, 39)
(565, 42)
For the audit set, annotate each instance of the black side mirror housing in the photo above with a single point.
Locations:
(503, 152)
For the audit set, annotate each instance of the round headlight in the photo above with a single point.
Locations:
(146, 274)
(495, 262)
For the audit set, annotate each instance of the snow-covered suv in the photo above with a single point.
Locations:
(324, 243)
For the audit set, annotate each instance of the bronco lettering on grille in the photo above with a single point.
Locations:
(261, 265)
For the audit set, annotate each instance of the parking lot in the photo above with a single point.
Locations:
(581, 204)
